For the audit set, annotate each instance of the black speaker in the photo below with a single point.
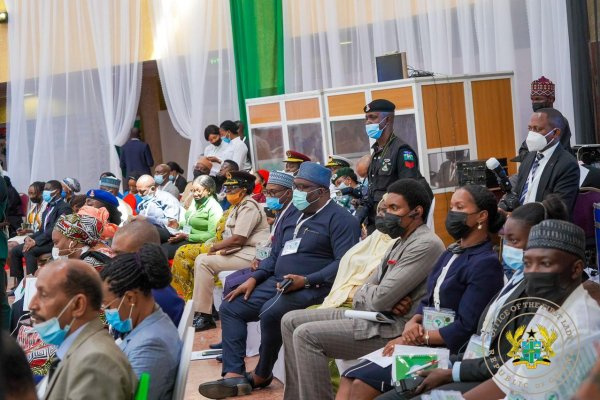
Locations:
(475, 172)
(391, 67)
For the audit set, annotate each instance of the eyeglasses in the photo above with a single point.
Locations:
(231, 189)
(273, 193)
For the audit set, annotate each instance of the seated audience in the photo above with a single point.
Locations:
(463, 280)
(150, 340)
(468, 371)
(262, 177)
(553, 268)
(13, 214)
(246, 226)
(70, 188)
(199, 223)
(16, 379)
(101, 214)
(112, 184)
(345, 182)
(101, 198)
(65, 311)
(163, 183)
(78, 236)
(77, 202)
(202, 167)
(177, 176)
(306, 250)
(157, 206)
(217, 150)
(130, 239)
(359, 263)
(40, 242)
(33, 219)
(402, 273)
(131, 196)
(226, 167)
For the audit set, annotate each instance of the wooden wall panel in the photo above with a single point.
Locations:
(401, 97)
(494, 124)
(346, 104)
(302, 109)
(445, 115)
(263, 113)
(442, 205)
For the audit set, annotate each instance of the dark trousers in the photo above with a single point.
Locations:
(171, 248)
(271, 307)
(31, 262)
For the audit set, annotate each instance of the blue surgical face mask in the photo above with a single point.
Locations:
(47, 196)
(159, 179)
(51, 332)
(512, 257)
(226, 139)
(63, 194)
(171, 178)
(342, 186)
(373, 130)
(274, 204)
(299, 199)
(114, 319)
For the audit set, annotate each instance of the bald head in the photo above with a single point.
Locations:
(71, 285)
(145, 184)
(130, 237)
(362, 166)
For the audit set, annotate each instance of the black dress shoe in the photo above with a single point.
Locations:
(216, 346)
(266, 383)
(215, 313)
(219, 358)
(203, 323)
(228, 387)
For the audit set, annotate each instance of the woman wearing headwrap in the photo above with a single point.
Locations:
(262, 177)
(102, 215)
(78, 236)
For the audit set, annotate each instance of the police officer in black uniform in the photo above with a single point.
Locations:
(391, 159)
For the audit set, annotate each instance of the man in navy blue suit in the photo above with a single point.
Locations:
(136, 155)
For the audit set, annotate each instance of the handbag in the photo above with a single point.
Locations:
(236, 279)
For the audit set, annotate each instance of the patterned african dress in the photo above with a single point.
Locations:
(183, 262)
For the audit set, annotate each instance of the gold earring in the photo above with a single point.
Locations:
(479, 225)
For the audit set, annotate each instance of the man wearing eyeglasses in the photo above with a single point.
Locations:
(303, 261)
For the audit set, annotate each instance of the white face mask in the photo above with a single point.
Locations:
(56, 254)
(537, 141)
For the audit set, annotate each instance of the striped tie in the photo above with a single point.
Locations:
(534, 167)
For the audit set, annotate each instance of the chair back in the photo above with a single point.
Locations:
(24, 203)
(583, 212)
(184, 364)
(186, 318)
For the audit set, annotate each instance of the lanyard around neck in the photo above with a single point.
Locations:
(301, 221)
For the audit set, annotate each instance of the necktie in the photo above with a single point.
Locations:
(534, 167)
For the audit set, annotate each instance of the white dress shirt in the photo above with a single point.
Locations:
(223, 152)
(534, 181)
(240, 151)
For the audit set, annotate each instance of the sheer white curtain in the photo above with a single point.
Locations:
(193, 47)
(74, 87)
(331, 43)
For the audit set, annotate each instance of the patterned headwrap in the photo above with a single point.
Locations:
(80, 228)
(542, 87)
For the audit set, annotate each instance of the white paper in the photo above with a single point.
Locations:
(369, 316)
(30, 291)
(378, 358)
(583, 173)
(199, 355)
(19, 291)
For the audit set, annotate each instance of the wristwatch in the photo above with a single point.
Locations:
(306, 283)
(427, 338)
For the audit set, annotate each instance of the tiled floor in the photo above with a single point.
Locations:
(207, 370)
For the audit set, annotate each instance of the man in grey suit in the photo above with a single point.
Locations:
(312, 336)
(65, 311)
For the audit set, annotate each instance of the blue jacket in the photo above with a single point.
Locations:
(471, 282)
(53, 211)
(136, 157)
(170, 302)
(154, 347)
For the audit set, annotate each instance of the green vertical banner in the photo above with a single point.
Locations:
(257, 27)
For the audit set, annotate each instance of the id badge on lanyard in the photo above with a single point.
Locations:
(291, 247)
(477, 348)
(263, 252)
(434, 319)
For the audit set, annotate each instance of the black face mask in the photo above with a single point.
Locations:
(35, 200)
(539, 106)
(546, 285)
(456, 224)
(218, 142)
(390, 224)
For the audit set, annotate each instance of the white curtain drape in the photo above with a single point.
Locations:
(74, 87)
(332, 43)
(193, 47)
